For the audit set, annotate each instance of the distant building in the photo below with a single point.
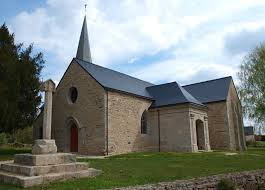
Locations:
(249, 134)
(100, 111)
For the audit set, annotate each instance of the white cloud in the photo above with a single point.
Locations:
(130, 29)
(139, 28)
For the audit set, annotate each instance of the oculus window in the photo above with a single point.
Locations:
(73, 94)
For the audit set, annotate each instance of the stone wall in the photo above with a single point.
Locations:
(248, 180)
(175, 126)
(235, 120)
(250, 138)
(218, 125)
(124, 124)
(226, 123)
(175, 132)
(88, 112)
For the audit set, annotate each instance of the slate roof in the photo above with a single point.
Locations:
(114, 80)
(249, 131)
(162, 95)
(170, 94)
(210, 91)
(83, 50)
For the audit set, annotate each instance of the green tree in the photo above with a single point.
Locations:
(252, 84)
(19, 83)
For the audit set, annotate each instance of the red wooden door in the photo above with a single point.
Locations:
(74, 139)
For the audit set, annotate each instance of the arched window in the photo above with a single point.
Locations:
(144, 123)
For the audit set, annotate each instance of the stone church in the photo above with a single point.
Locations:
(99, 111)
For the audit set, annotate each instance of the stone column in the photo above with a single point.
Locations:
(48, 87)
(193, 134)
(206, 134)
(46, 145)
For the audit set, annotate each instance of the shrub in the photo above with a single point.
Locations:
(261, 187)
(251, 143)
(259, 144)
(3, 138)
(23, 136)
(225, 184)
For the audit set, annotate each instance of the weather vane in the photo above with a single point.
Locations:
(85, 7)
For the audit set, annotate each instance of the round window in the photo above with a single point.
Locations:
(73, 94)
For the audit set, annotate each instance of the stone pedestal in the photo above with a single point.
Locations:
(43, 146)
(30, 170)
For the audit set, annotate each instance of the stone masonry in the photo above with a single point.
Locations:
(30, 170)
(88, 112)
(124, 124)
(226, 123)
(175, 133)
(235, 120)
(248, 180)
(109, 122)
(46, 145)
(177, 127)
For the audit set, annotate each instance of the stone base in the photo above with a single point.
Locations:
(29, 170)
(44, 159)
(194, 148)
(42, 170)
(29, 181)
(207, 148)
(44, 146)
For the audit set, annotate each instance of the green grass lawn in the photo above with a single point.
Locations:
(143, 168)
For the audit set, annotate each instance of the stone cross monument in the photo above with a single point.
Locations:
(46, 145)
(48, 87)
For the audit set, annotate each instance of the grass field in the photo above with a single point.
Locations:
(143, 168)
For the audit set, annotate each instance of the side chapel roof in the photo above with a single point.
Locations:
(211, 90)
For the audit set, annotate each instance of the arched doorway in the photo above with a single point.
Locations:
(73, 138)
(200, 134)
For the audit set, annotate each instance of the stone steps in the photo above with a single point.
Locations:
(44, 159)
(34, 169)
(28, 181)
(42, 170)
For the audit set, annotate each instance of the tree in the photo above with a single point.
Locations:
(19, 83)
(252, 84)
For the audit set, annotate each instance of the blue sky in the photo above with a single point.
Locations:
(154, 40)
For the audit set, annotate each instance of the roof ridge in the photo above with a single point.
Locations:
(207, 81)
(161, 84)
(172, 90)
(181, 90)
(185, 93)
(114, 71)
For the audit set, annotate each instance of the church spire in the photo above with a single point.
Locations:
(83, 51)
